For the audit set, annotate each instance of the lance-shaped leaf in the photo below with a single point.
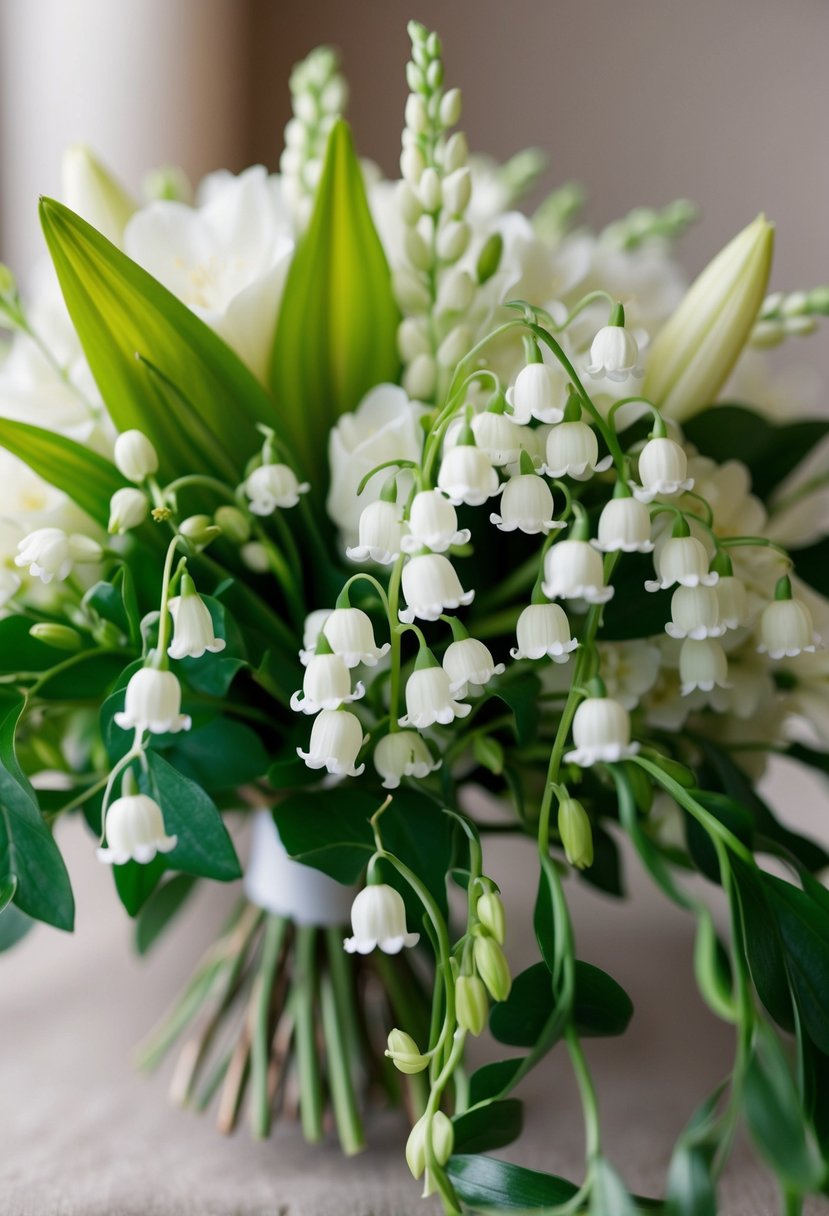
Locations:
(120, 312)
(336, 333)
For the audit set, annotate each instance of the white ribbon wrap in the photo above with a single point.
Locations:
(276, 883)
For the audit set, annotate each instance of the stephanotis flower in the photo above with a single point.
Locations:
(336, 739)
(433, 524)
(663, 470)
(573, 451)
(273, 486)
(153, 703)
(378, 918)
(403, 753)
(350, 633)
(539, 392)
(326, 685)
(135, 831)
(380, 536)
(601, 733)
(430, 587)
(573, 571)
(543, 631)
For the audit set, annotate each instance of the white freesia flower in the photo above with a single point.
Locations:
(135, 831)
(663, 469)
(193, 631)
(378, 918)
(601, 733)
(695, 613)
(380, 535)
(135, 457)
(466, 475)
(614, 354)
(429, 699)
(128, 508)
(540, 391)
(49, 553)
(273, 486)
(433, 524)
(624, 527)
(350, 633)
(543, 631)
(497, 437)
(703, 665)
(403, 753)
(336, 739)
(469, 662)
(573, 451)
(573, 571)
(787, 629)
(683, 560)
(430, 587)
(527, 504)
(326, 685)
(153, 703)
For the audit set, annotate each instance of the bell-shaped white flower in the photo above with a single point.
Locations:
(614, 351)
(466, 475)
(273, 486)
(134, 829)
(786, 626)
(683, 560)
(193, 631)
(380, 534)
(403, 753)
(378, 918)
(527, 504)
(468, 661)
(49, 553)
(433, 524)
(573, 451)
(350, 633)
(429, 699)
(543, 631)
(695, 613)
(624, 527)
(430, 587)
(573, 571)
(496, 437)
(733, 598)
(311, 630)
(601, 732)
(663, 469)
(135, 457)
(336, 739)
(153, 703)
(539, 392)
(128, 508)
(326, 685)
(703, 666)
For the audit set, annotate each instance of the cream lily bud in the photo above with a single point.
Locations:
(490, 912)
(573, 451)
(380, 534)
(614, 351)
(693, 354)
(576, 833)
(443, 1141)
(433, 524)
(624, 527)
(527, 504)
(573, 571)
(326, 685)
(702, 665)
(466, 475)
(378, 918)
(497, 437)
(452, 240)
(450, 108)
(404, 1053)
(733, 599)
(429, 699)
(471, 1004)
(683, 560)
(539, 392)
(193, 631)
(601, 732)
(336, 739)
(234, 524)
(50, 554)
(62, 637)
(456, 152)
(493, 967)
(663, 469)
(134, 828)
(135, 457)
(271, 486)
(410, 205)
(153, 703)
(311, 630)
(91, 190)
(350, 633)
(128, 508)
(469, 662)
(543, 631)
(430, 587)
(420, 377)
(457, 191)
(695, 613)
(786, 626)
(403, 753)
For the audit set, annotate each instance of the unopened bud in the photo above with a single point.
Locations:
(199, 530)
(410, 292)
(430, 190)
(234, 524)
(409, 203)
(443, 1141)
(450, 108)
(471, 1004)
(453, 240)
(492, 967)
(412, 164)
(417, 119)
(62, 637)
(456, 153)
(413, 339)
(417, 251)
(420, 378)
(91, 190)
(456, 292)
(454, 346)
(405, 1053)
(576, 833)
(255, 557)
(135, 457)
(128, 508)
(457, 191)
(489, 259)
(490, 912)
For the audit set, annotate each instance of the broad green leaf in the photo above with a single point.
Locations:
(606, 870)
(764, 945)
(491, 1126)
(135, 883)
(690, 1190)
(521, 696)
(804, 929)
(14, 925)
(485, 1183)
(336, 333)
(220, 755)
(608, 1193)
(91, 677)
(121, 312)
(601, 1007)
(329, 829)
(491, 1080)
(8, 886)
(204, 847)
(161, 907)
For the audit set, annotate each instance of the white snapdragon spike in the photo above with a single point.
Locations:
(539, 392)
(695, 613)
(573, 451)
(683, 560)
(380, 534)
(326, 685)
(336, 739)
(153, 703)
(733, 598)
(49, 553)
(433, 524)
(403, 753)
(311, 630)
(614, 351)
(787, 629)
(273, 486)
(624, 527)
(193, 631)
(496, 437)
(703, 666)
(526, 504)
(466, 475)
(429, 699)
(543, 631)
(430, 587)
(663, 470)
(601, 733)
(468, 661)
(350, 633)
(135, 457)
(135, 831)
(378, 918)
(573, 571)
(128, 508)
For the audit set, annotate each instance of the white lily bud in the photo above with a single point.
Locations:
(443, 1141)
(683, 560)
(413, 338)
(456, 291)
(573, 571)
(326, 685)
(457, 191)
(409, 204)
(539, 392)
(733, 599)
(380, 533)
(433, 524)
(418, 252)
(787, 629)
(467, 476)
(702, 665)
(412, 165)
(336, 739)
(153, 703)
(454, 346)
(497, 437)
(469, 662)
(91, 190)
(128, 508)
(613, 354)
(429, 699)
(456, 152)
(273, 486)
(527, 504)
(543, 631)
(695, 613)
(410, 291)
(601, 733)
(450, 108)
(420, 378)
(134, 828)
(624, 527)
(193, 632)
(255, 557)
(311, 631)
(403, 753)
(134, 456)
(573, 451)
(452, 240)
(430, 191)
(663, 469)
(49, 553)
(350, 633)
(417, 118)
(378, 918)
(431, 587)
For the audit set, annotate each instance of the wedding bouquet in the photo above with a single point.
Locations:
(351, 507)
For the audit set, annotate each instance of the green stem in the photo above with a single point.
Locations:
(260, 1110)
(592, 1128)
(334, 1001)
(161, 660)
(396, 636)
(308, 1065)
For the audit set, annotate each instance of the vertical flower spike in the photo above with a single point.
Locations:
(318, 96)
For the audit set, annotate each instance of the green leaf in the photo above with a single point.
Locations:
(160, 908)
(90, 678)
(691, 1190)
(521, 697)
(8, 886)
(135, 883)
(119, 312)
(804, 929)
(204, 847)
(601, 1007)
(484, 1183)
(491, 1080)
(336, 333)
(329, 829)
(608, 1193)
(220, 755)
(14, 925)
(19, 651)
(764, 945)
(487, 1127)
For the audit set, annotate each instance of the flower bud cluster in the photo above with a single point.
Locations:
(318, 96)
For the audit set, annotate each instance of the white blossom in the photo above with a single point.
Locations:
(311, 630)
(380, 534)
(683, 560)
(695, 613)
(433, 524)
(403, 753)
(624, 527)
(543, 631)
(527, 504)
(193, 631)
(601, 732)
(703, 665)
(273, 486)
(629, 670)
(466, 476)
(134, 828)
(429, 699)
(573, 451)
(497, 437)
(326, 685)
(663, 469)
(153, 703)
(613, 354)
(468, 661)
(134, 456)
(573, 571)
(50, 554)
(540, 391)
(336, 739)
(733, 601)
(128, 508)
(378, 918)
(787, 629)
(430, 587)
(350, 633)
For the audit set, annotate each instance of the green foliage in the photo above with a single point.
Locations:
(204, 847)
(490, 1126)
(490, 1080)
(601, 1007)
(486, 1184)
(161, 907)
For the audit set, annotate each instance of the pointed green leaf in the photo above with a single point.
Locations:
(776, 1120)
(336, 333)
(490, 1126)
(204, 847)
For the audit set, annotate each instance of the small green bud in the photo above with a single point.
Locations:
(168, 183)
(493, 967)
(576, 833)
(62, 637)
(490, 257)
(471, 1003)
(234, 524)
(8, 283)
(490, 912)
(199, 530)
(404, 1053)
(443, 1141)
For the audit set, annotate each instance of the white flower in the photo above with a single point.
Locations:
(629, 670)
(311, 630)
(683, 560)
(381, 534)
(135, 831)
(539, 392)
(134, 456)
(702, 665)
(433, 524)
(573, 571)
(467, 476)
(469, 662)
(613, 354)
(378, 918)
(350, 633)
(271, 486)
(573, 451)
(497, 437)
(193, 631)
(403, 753)
(430, 587)
(153, 703)
(527, 504)
(336, 739)
(429, 699)
(663, 469)
(733, 600)
(89, 189)
(695, 613)
(128, 508)
(49, 553)
(601, 732)
(543, 631)
(787, 629)
(326, 685)
(624, 526)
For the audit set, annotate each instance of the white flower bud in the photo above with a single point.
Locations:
(456, 291)
(452, 240)
(601, 733)
(410, 291)
(273, 486)
(456, 152)
(412, 164)
(663, 469)
(431, 587)
(624, 527)
(457, 191)
(49, 553)
(380, 534)
(683, 560)
(695, 613)
(234, 524)
(134, 828)
(327, 685)
(490, 912)
(417, 251)
(497, 437)
(378, 918)
(573, 571)
(409, 203)
(128, 508)
(403, 753)
(543, 631)
(526, 504)
(467, 476)
(312, 628)
(336, 739)
(433, 524)
(429, 699)
(613, 354)
(786, 629)
(469, 662)
(420, 378)
(199, 530)
(413, 339)
(455, 346)
(450, 108)
(430, 191)
(443, 1141)
(539, 392)
(702, 665)
(417, 119)
(731, 593)
(573, 451)
(350, 633)
(255, 557)
(404, 1053)
(135, 457)
(153, 703)
(193, 632)
(91, 191)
